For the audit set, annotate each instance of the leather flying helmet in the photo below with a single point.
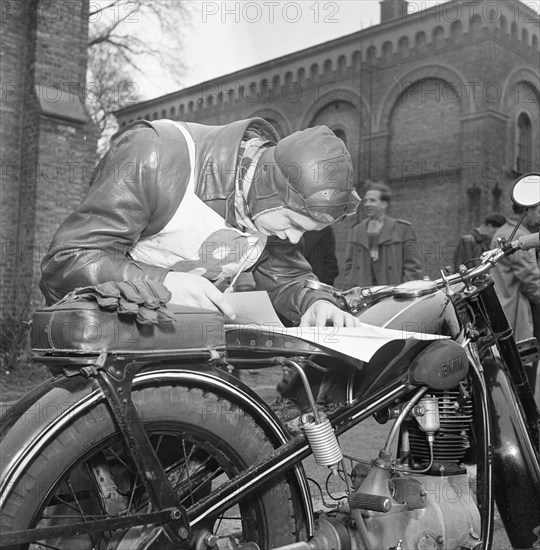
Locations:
(309, 172)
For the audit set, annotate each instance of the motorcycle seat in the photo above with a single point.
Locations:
(84, 327)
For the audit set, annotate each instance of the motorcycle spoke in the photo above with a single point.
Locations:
(211, 476)
(132, 495)
(66, 503)
(187, 468)
(123, 462)
(83, 515)
(192, 466)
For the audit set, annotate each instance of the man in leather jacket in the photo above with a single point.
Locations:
(191, 206)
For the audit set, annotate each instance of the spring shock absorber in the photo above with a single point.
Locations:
(322, 440)
(319, 432)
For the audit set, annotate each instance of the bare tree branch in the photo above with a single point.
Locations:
(124, 36)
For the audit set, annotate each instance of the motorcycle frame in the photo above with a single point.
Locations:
(286, 457)
(494, 387)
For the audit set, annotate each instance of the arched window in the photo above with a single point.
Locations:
(420, 41)
(456, 31)
(523, 144)
(476, 24)
(327, 67)
(504, 26)
(387, 49)
(403, 45)
(163, 113)
(314, 71)
(438, 37)
(525, 37)
(357, 59)
(514, 31)
(341, 135)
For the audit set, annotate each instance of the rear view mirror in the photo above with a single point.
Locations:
(526, 190)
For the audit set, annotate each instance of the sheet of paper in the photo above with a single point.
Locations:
(255, 308)
(358, 342)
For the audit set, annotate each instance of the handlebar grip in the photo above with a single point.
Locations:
(526, 242)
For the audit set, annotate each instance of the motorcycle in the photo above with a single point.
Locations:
(145, 438)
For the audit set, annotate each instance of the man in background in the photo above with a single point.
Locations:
(382, 250)
(472, 245)
(517, 279)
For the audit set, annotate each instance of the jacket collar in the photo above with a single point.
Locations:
(385, 234)
(217, 158)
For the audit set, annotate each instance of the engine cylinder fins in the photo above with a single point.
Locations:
(453, 439)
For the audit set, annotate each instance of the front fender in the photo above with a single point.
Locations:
(516, 462)
(42, 413)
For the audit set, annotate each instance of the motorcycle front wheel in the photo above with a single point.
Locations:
(86, 473)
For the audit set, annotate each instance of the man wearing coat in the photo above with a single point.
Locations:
(382, 250)
(517, 279)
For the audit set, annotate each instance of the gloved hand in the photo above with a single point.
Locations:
(146, 299)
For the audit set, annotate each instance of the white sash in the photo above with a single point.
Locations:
(197, 239)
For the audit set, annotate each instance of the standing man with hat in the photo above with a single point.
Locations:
(191, 206)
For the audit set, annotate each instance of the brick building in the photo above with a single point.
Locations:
(444, 104)
(47, 143)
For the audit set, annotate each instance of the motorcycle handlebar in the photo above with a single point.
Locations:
(354, 296)
(490, 259)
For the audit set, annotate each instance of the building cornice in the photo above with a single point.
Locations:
(364, 35)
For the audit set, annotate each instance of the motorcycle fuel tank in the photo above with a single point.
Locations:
(415, 306)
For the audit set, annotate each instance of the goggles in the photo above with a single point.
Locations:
(325, 205)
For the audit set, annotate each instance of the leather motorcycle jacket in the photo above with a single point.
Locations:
(135, 191)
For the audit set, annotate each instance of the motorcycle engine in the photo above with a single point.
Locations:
(452, 440)
(432, 508)
(427, 513)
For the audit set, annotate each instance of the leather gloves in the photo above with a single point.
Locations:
(145, 300)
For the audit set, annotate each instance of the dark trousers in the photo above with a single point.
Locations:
(532, 371)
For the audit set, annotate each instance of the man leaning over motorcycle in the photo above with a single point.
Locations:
(191, 206)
